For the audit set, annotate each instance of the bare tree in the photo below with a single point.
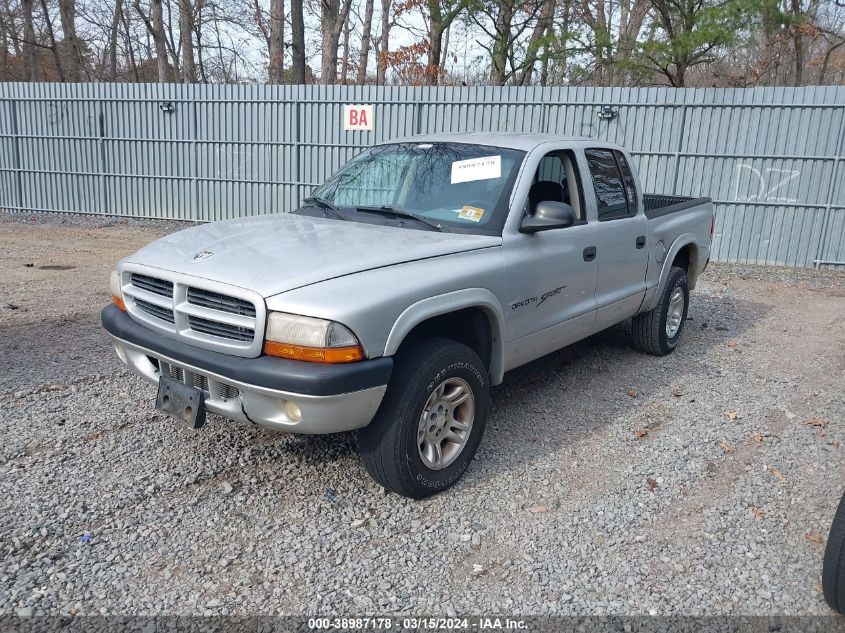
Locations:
(333, 18)
(29, 45)
(155, 27)
(366, 34)
(276, 44)
(48, 24)
(186, 41)
(297, 41)
(73, 59)
(384, 43)
(439, 19)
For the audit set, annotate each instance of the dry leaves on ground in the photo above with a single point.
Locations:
(632, 393)
(814, 538)
(733, 415)
(725, 447)
(640, 433)
(819, 422)
(652, 483)
(779, 475)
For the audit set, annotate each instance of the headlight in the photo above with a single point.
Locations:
(307, 338)
(116, 294)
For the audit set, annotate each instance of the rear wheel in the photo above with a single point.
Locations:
(430, 424)
(659, 330)
(833, 570)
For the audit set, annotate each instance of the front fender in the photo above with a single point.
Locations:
(430, 307)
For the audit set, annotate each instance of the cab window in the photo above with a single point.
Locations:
(611, 196)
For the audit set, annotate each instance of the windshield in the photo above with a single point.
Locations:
(458, 186)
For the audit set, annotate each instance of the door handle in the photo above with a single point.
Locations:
(641, 241)
(589, 253)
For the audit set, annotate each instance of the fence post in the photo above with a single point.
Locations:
(101, 146)
(831, 188)
(195, 185)
(16, 141)
(679, 147)
(297, 139)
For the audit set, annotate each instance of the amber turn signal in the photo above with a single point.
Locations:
(118, 302)
(314, 354)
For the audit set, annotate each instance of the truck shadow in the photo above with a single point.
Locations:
(563, 397)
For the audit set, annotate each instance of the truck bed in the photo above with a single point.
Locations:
(658, 205)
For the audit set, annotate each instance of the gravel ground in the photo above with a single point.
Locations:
(608, 482)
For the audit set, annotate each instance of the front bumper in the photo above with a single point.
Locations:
(331, 398)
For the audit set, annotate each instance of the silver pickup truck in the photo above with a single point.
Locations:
(406, 286)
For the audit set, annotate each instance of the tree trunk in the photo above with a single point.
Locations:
(344, 65)
(56, 57)
(128, 41)
(798, 45)
(276, 68)
(186, 35)
(115, 27)
(332, 22)
(363, 55)
(501, 43)
(29, 41)
(298, 41)
(73, 60)
(384, 43)
(155, 27)
(329, 16)
(157, 15)
(435, 41)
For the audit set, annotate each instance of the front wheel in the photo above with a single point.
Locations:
(430, 424)
(833, 571)
(659, 330)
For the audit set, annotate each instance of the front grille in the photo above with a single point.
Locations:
(220, 330)
(201, 382)
(213, 389)
(153, 310)
(228, 392)
(226, 319)
(217, 301)
(151, 284)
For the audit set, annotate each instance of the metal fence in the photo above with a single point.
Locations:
(773, 159)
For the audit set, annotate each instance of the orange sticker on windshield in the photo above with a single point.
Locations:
(473, 214)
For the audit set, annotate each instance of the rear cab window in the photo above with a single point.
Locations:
(613, 183)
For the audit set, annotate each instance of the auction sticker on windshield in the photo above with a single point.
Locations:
(473, 214)
(483, 168)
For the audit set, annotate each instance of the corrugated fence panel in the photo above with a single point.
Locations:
(773, 159)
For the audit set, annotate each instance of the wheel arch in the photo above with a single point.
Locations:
(684, 251)
(435, 312)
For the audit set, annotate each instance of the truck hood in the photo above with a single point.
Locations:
(271, 254)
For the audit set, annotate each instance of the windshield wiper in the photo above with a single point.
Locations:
(325, 205)
(399, 213)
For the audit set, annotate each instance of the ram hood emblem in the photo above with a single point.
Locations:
(202, 255)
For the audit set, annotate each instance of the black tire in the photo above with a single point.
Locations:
(388, 445)
(649, 329)
(833, 568)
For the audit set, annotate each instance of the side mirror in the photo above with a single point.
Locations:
(548, 215)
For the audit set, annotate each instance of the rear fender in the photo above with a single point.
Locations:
(653, 296)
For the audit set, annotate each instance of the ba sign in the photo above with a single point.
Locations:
(357, 117)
